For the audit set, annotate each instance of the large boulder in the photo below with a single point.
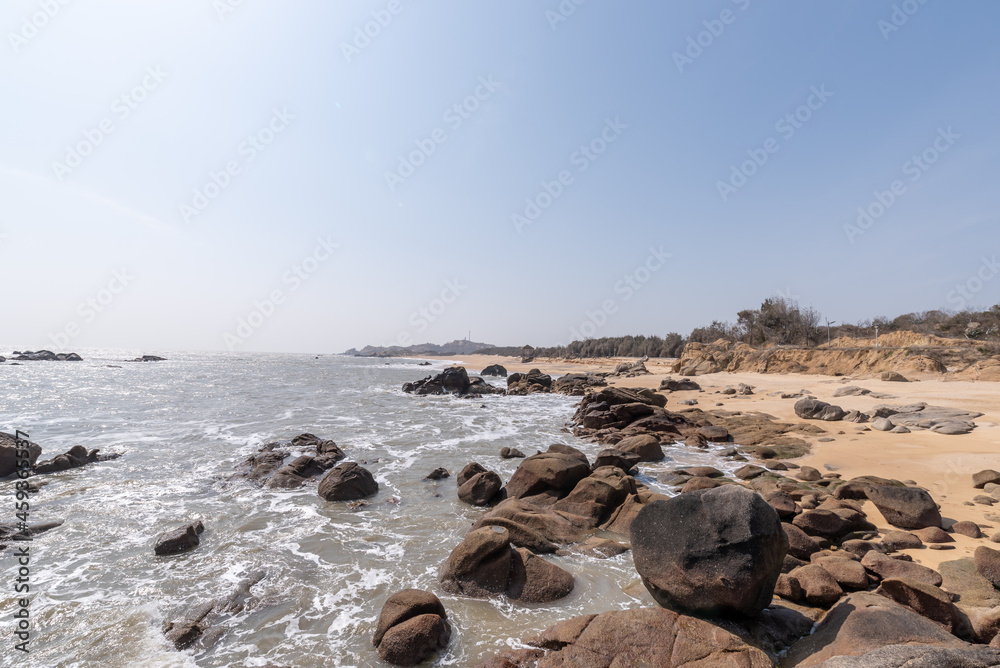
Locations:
(711, 552)
(810, 408)
(484, 564)
(988, 564)
(9, 455)
(539, 529)
(595, 497)
(482, 489)
(651, 637)
(927, 601)
(553, 474)
(412, 625)
(494, 370)
(905, 507)
(645, 447)
(863, 622)
(347, 482)
(887, 568)
(919, 656)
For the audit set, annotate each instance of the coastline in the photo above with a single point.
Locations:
(942, 464)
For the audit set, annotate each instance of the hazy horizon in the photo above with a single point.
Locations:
(228, 175)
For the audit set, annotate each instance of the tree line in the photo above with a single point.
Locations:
(778, 322)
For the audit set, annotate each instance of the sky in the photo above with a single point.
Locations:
(242, 175)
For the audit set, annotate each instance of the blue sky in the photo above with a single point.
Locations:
(623, 134)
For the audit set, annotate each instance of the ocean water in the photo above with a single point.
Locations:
(100, 596)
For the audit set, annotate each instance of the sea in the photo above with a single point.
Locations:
(99, 597)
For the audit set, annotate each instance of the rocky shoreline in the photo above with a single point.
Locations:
(774, 563)
(779, 565)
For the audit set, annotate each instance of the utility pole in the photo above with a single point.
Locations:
(876, 336)
(829, 342)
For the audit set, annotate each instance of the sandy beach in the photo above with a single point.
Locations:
(942, 464)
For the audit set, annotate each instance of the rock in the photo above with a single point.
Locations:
(438, 474)
(536, 528)
(918, 656)
(471, 469)
(962, 578)
(818, 586)
(927, 601)
(76, 457)
(644, 637)
(528, 383)
(905, 507)
(645, 446)
(715, 434)
(614, 457)
(295, 473)
(481, 489)
(682, 385)
(484, 564)
(983, 478)
(809, 474)
(150, 358)
(179, 540)
(412, 641)
(851, 391)
(988, 564)
(185, 631)
(511, 453)
(713, 552)
(888, 568)
(849, 574)
(788, 588)
(481, 564)
(822, 523)
(934, 535)
(535, 580)
(893, 377)
(901, 540)
(9, 454)
(494, 370)
(749, 472)
(601, 548)
(970, 529)
(551, 474)
(453, 380)
(698, 484)
(800, 544)
(809, 408)
(347, 482)
(412, 626)
(597, 496)
(701, 472)
(882, 424)
(783, 504)
(863, 622)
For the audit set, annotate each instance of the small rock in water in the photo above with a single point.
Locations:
(179, 540)
(438, 474)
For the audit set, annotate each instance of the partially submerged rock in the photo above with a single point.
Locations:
(187, 630)
(347, 482)
(453, 380)
(412, 626)
(179, 540)
(485, 564)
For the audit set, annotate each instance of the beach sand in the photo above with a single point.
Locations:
(942, 464)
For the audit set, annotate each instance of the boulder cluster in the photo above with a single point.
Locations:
(897, 419)
(778, 565)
